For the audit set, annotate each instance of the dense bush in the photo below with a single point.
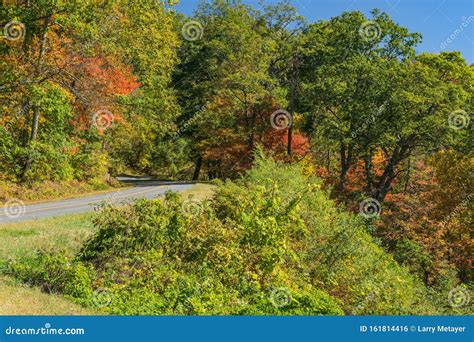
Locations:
(54, 272)
(332, 247)
(270, 243)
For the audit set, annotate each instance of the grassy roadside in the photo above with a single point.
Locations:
(25, 237)
(55, 192)
(66, 232)
(19, 299)
(198, 192)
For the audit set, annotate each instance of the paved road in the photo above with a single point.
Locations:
(142, 188)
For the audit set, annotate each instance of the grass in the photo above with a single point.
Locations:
(52, 191)
(19, 299)
(198, 192)
(66, 231)
(24, 237)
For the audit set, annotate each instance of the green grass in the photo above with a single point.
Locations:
(67, 232)
(52, 191)
(19, 299)
(198, 192)
(64, 231)
(26, 237)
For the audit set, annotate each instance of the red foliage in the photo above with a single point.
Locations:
(277, 141)
(98, 80)
(114, 78)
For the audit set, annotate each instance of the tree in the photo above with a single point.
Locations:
(225, 74)
(428, 227)
(95, 55)
(369, 95)
(285, 26)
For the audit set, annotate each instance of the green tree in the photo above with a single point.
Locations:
(225, 74)
(366, 92)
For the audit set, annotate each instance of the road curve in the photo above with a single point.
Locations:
(142, 188)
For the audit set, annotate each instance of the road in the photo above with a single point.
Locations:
(141, 188)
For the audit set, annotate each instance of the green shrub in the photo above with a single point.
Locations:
(270, 243)
(9, 168)
(332, 247)
(90, 165)
(46, 163)
(54, 272)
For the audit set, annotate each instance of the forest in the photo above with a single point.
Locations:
(340, 158)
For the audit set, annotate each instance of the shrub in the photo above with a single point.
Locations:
(270, 243)
(54, 272)
(328, 245)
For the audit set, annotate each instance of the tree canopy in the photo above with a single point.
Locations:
(95, 89)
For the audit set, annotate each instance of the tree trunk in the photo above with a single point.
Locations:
(346, 162)
(251, 141)
(25, 111)
(290, 128)
(34, 124)
(407, 180)
(33, 136)
(42, 50)
(290, 136)
(36, 111)
(197, 169)
(211, 170)
(369, 172)
(294, 85)
(104, 144)
(328, 161)
(385, 183)
(401, 152)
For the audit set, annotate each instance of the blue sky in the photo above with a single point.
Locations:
(446, 25)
